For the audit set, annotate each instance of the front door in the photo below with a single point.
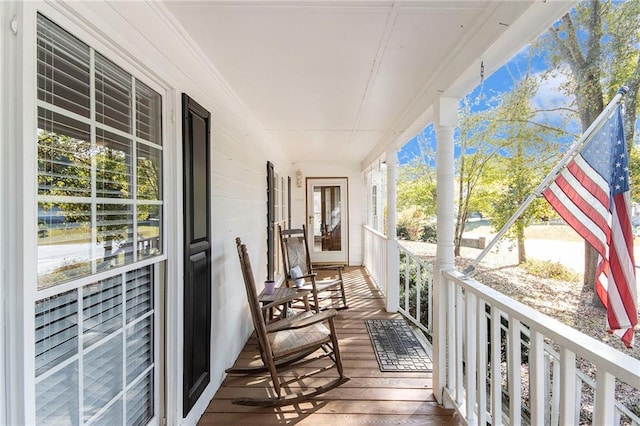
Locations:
(327, 224)
(197, 251)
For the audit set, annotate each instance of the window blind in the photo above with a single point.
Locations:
(56, 330)
(113, 95)
(101, 310)
(140, 402)
(148, 117)
(102, 379)
(57, 401)
(99, 207)
(63, 68)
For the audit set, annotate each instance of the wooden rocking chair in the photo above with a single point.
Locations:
(289, 343)
(327, 292)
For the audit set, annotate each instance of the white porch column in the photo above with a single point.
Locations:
(446, 115)
(393, 263)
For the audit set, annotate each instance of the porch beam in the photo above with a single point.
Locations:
(446, 118)
(392, 294)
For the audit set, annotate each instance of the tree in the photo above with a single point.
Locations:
(416, 190)
(527, 148)
(476, 154)
(597, 65)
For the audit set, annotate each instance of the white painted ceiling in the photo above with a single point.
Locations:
(343, 80)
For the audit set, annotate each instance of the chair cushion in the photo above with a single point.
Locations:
(296, 273)
(288, 342)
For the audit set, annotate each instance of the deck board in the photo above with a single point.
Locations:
(369, 397)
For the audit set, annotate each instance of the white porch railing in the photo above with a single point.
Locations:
(537, 373)
(532, 376)
(416, 290)
(375, 257)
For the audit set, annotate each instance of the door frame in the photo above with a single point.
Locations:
(333, 257)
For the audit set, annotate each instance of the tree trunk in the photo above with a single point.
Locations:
(589, 95)
(589, 282)
(522, 255)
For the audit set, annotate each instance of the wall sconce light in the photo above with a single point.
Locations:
(298, 178)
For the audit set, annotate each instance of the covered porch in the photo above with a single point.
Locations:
(370, 396)
(311, 90)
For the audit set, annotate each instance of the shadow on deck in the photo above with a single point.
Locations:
(370, 397)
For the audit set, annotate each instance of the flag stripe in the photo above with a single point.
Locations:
(590, 179)
(576, 218)
(592, 195)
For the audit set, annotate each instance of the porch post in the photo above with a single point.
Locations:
(446, 115)
(393, 263)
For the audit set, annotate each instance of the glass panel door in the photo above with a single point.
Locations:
(327, 227)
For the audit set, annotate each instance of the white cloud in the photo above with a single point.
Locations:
(549, 95)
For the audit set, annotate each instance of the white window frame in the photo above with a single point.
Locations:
(20, 345)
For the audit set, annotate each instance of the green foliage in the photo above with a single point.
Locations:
(547, 269)
(429, 233)
(413, 289)
(634, 172)
(416, 194)
(411, 222)
(416, 187)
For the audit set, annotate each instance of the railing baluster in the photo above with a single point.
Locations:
(605, 398)
(496, 366)
(578, 397)
(430, 302)
(555, 394)
(451, 333)
(418, 290)
(567, 387)
(459, 347)
(537, 377)
(470, 358)
(481, 352)
(407, 280)
(515, 373)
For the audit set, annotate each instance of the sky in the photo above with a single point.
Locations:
(502, 80)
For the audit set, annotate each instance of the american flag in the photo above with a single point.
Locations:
(592, 195)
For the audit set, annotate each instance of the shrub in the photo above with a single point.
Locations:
(410, 223)
(548, 269)
(429, 233)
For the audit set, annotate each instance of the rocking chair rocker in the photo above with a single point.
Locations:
(289, 343)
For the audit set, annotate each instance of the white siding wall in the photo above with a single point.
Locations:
(143, 35)
(357, 199)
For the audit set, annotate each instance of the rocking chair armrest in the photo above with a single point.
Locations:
(281, 301)
(313, 276)
(303, 322)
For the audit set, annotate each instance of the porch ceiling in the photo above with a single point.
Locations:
(343, 80)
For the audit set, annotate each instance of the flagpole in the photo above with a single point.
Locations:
(577, 145)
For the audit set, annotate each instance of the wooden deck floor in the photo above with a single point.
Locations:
(370, 397)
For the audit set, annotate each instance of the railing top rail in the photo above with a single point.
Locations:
(413, 256)
(612, 360)
(378, 233)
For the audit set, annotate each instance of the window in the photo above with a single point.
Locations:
(278, 195)
(100, 210)
(99, 161)
(374, 207)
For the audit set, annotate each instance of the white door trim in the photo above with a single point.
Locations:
(317, 256)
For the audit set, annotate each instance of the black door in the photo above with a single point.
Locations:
(197, 251)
